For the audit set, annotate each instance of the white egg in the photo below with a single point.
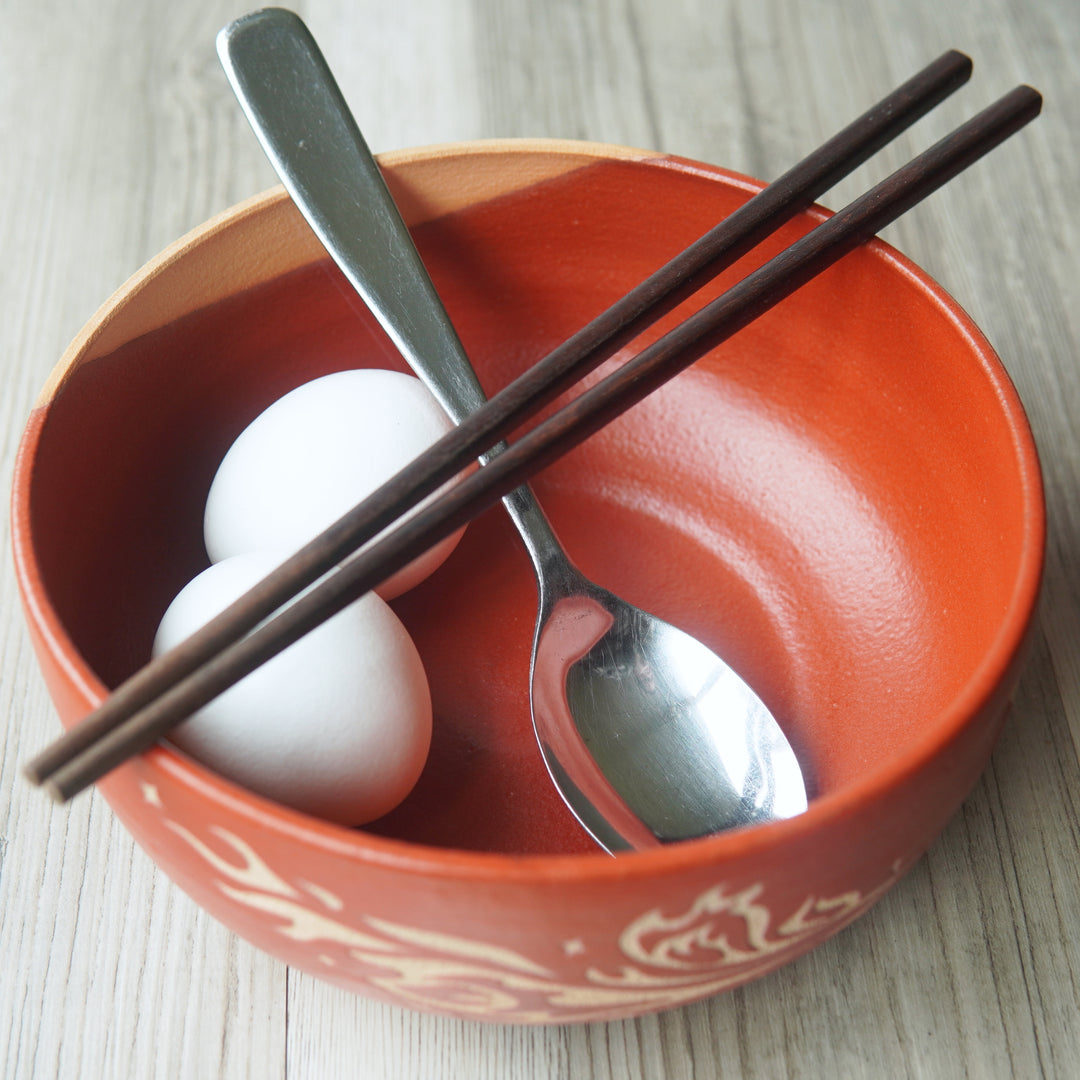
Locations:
(337, 725)
(315, 453)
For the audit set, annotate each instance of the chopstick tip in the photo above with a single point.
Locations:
(33, 772)
(55, 792)
(1024, 101)
(40, 772)
(960, 58)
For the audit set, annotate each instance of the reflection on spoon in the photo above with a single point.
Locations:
(644, 725)
(648, 735)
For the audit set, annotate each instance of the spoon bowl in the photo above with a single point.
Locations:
(647, 734)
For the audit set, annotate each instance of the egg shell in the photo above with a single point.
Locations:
(315, 453)
(337, 725)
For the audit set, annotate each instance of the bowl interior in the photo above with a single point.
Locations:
(834, 500)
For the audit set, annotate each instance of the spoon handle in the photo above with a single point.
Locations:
(305, 126)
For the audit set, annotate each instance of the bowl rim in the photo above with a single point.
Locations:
(409, 857)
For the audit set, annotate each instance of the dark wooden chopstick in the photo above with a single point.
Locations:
(571, 425)
(537, 387)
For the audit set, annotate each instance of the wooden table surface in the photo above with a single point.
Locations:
(118, 133)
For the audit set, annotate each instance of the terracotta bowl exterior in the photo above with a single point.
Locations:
(844, 500)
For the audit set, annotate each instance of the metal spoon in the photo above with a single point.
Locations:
(648, 735)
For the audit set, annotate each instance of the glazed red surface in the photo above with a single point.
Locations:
(824, 500)
(844, 501)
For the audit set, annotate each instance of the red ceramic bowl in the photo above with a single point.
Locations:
(844, 501)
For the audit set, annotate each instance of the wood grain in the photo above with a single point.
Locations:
(118, 134)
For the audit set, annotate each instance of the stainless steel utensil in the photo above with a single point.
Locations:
(649, 736)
